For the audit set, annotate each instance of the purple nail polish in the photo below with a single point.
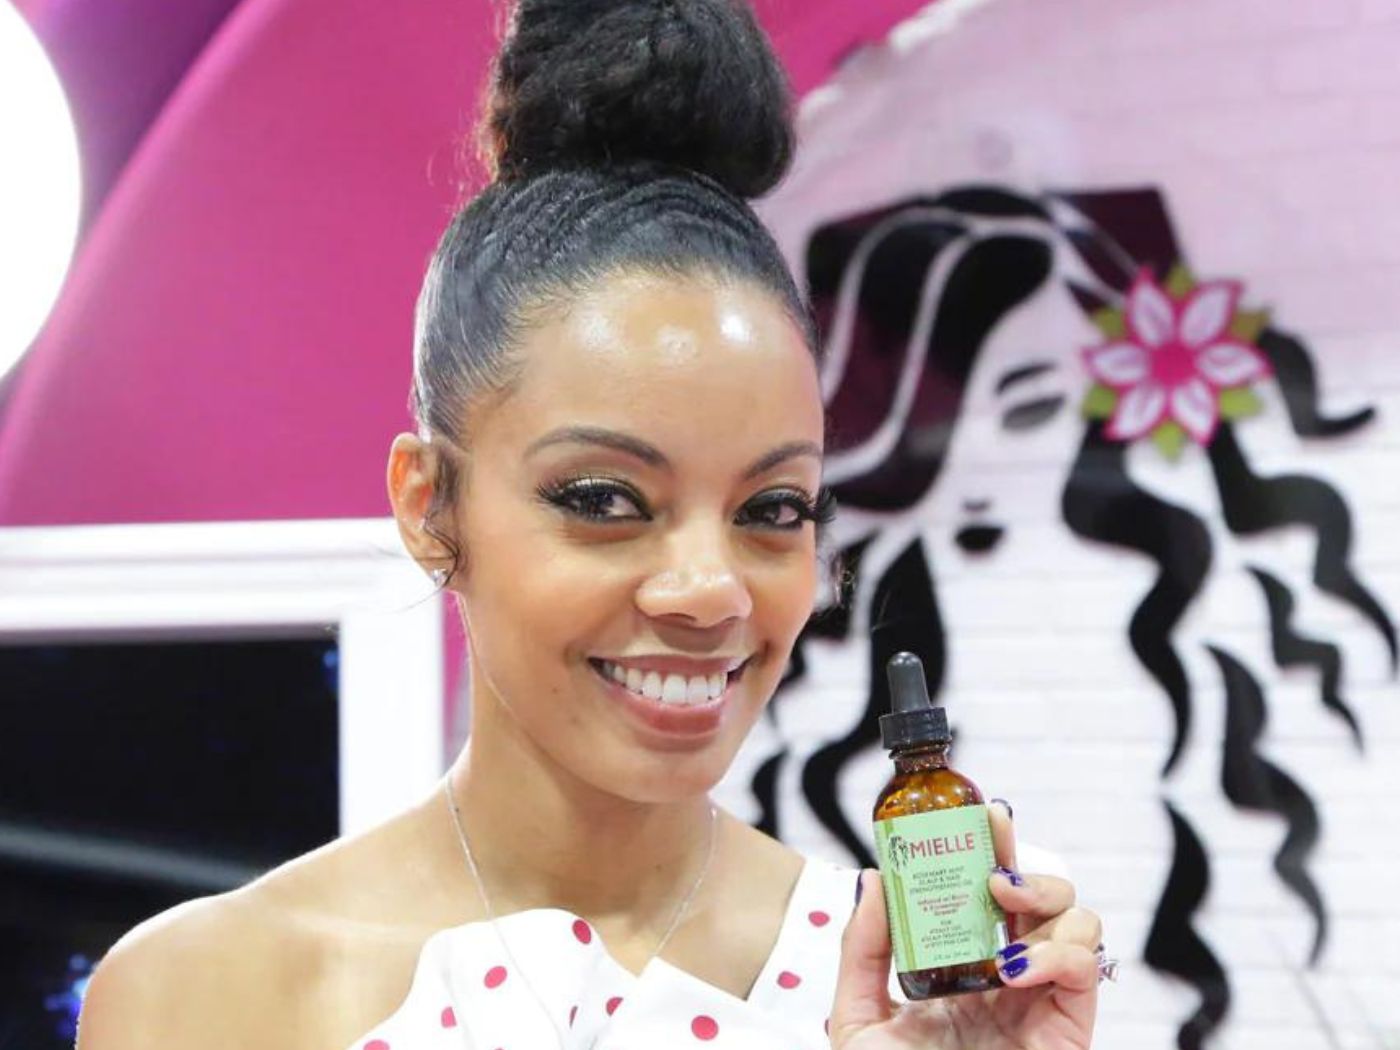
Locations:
(1016, 967)
(1007, 804)
(1012, 950)
(860, 886)
(1014, 877)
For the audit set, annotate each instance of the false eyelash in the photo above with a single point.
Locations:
(566, 493)
(821, 510)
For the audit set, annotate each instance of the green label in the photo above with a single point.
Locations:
(935, 868)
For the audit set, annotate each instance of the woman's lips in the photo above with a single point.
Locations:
(672, 720)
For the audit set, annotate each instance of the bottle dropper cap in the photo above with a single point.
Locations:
(913, 719)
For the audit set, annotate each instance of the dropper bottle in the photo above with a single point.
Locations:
(933, 842)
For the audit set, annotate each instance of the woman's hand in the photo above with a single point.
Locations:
(1048, 1005)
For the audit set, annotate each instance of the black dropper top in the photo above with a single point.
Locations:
(913, 719)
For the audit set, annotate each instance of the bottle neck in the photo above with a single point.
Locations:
(918, 758)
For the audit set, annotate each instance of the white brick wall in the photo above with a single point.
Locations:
(1273, 130)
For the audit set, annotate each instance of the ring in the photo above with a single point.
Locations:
(1108, 968)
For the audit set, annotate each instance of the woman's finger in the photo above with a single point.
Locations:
(1003, 832)
(1072, 967)
(863, 977)
(1033, 898)
(1077, 926)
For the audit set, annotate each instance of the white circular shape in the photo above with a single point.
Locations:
(40, 186)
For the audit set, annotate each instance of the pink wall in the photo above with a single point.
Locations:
(234, 339)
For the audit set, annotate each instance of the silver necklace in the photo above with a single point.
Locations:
(480, 883)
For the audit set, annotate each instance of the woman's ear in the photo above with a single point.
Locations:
(411, 479)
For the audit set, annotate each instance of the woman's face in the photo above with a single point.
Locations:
(636, 528)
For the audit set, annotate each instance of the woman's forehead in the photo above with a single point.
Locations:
(669, 357)
(648, 324)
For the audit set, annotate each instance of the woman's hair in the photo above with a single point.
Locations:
(622, 136)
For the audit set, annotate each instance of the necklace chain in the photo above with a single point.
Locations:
(491, 915)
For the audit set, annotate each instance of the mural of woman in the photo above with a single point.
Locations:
(963, 330)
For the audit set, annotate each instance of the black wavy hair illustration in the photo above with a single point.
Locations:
(905, 298)
(1173, 945)
(1252, 782)
(1102, 503)
(1254, 504)
(1292, 649)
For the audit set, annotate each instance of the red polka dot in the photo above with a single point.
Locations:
(613, 1004)
(495, 976)
(449, 1017)
(582, 931)
(818, 918)
(376, 1044)
(704, 1027)
(788, 979)
(573, 1012)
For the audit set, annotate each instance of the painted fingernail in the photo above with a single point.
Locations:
(1016, 967)
(1013, 877)
(1003, 802)
(1012, 950)
(860, 886)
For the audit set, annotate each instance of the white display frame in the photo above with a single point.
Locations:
(260, 579)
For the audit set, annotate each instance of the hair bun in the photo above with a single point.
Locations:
(687, 82)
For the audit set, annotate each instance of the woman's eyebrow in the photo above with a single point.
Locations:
(653, 456)
(614, 439)
(1020, 375)
(781, 454)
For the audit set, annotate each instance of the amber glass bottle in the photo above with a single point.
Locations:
(934, 845)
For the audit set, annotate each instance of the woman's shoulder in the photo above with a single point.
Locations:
(300, 951)
(189, 976)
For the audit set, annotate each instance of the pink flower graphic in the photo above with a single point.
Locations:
(1174, 358)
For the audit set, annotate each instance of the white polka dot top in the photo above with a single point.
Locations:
(466, 995)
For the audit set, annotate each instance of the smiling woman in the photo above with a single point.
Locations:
(617, 474)
(670, 542)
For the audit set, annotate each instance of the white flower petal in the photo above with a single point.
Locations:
(1151, 316)
(1138, 411)
(1119, 364)
(1193, 405)
(1207, 312)
(1231, 364)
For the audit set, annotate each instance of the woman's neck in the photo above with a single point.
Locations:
(542, 837)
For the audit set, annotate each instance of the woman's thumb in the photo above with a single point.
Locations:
(863, 980)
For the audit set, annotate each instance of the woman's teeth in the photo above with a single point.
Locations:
(669, 689)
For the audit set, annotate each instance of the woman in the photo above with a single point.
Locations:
(617, 474)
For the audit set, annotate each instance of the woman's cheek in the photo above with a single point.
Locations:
(787, 600)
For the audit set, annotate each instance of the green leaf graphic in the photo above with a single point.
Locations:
(1180, 283)
(1238, 402)
(1109, 321)
(1099, 402)
(1169, 438)
(1247, 324)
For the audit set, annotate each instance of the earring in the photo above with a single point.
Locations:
(439, 577)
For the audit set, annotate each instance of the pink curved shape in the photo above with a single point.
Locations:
(233, 342)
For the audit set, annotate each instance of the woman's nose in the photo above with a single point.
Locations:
(699, 583)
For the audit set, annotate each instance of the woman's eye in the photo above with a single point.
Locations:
(787, 510)
(595, 500)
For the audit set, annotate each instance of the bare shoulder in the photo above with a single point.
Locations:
(188, 977)
(311, 954)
